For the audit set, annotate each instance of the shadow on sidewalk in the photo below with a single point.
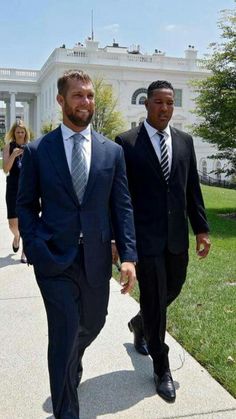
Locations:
(7, 260)
(116, 391)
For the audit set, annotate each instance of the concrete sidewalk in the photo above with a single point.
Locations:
(117, 382)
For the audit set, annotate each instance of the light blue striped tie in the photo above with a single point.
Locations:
(164, 157)
(78, 167)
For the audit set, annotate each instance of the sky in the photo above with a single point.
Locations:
(31, 29)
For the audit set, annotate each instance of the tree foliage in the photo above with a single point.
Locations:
(107, 119)
(47, 127)
(2, 142)
(216, 95)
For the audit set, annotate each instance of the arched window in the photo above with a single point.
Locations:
(139, 96)
(142, 100)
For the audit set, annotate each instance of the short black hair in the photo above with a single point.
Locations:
(159, 84)
(70, 75)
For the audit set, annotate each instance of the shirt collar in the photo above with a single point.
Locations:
(152, 131)
(67, 133)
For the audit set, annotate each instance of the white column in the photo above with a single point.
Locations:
(7, 121)
(26, 113)
(31, 117)
(38, 117)
(12, 108)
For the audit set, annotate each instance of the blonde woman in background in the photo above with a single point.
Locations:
(13, 151)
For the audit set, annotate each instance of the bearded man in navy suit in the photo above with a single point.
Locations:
(67, 237)
(165, 191)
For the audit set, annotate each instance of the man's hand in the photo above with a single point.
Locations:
(203, 245)
(127, 276)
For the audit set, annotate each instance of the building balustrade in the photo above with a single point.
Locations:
(15, 74)
(156, 61)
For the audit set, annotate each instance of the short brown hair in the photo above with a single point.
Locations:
(69, 75)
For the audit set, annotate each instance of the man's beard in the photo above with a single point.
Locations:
(79, 122)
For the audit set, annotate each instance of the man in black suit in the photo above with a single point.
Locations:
(165, 192)
(73, 196)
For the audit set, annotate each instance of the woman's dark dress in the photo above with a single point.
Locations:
(12, 183)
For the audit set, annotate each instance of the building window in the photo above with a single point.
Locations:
(142, 100)
(133, 124)
(139, 96)
(178, 97)
(2, 125)
(218, 168)
(204, 169)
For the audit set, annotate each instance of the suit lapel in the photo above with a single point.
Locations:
(97, 157)
(175, 137)
(56, 153)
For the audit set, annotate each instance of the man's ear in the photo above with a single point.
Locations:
(146, 103)
(60, 100)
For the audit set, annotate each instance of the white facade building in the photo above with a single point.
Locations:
(128, 72)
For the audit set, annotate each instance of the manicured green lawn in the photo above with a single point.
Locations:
(203, 318)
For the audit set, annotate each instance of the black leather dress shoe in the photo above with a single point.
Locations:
(165, 386)
(139, 340)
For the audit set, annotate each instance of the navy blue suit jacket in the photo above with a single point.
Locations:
(51, 219)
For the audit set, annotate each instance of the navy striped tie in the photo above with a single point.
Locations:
(164, 157)
(78, 167)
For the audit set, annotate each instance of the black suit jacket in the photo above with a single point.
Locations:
(161, 211)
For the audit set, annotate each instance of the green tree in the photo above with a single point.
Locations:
(107, 120)
(47, 127)
(216, 96)
(2, 142)
(32, 135)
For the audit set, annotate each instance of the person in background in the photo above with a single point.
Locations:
(16, 138)
(73, 196)
(165, 192)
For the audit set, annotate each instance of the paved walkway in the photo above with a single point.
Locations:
(117, 382)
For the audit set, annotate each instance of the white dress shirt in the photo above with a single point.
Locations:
(155, 140)
(68, 141)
